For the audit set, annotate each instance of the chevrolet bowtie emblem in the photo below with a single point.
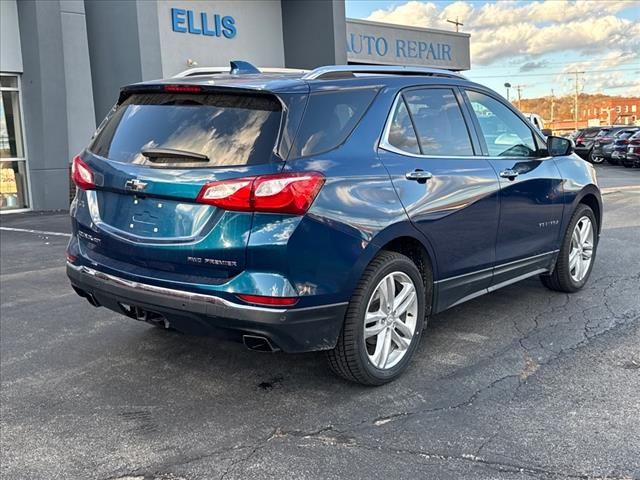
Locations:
(135, 185)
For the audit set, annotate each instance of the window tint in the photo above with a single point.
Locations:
(506, 135)
(329, 119)
(439, 123)
(401, 132)
(590, 133)
(230, 129)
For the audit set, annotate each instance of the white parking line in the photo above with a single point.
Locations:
(39, 232)
(619, 189)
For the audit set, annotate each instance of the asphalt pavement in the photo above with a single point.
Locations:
(522, 383)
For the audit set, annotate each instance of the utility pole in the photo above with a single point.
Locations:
(456, 23)
(519, 89)
(575, 96)
(553, 104)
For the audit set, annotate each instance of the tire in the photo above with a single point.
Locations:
(627, 164)
(561, 279)
(353, 357)
(595, 159)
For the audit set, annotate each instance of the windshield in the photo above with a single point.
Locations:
(226, 129)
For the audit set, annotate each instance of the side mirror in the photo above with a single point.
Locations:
(559, 146)
(547, 132)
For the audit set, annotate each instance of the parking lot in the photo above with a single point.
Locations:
(522, 383)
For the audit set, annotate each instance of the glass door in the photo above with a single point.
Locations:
(14, 193)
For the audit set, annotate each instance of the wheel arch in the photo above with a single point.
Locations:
(405, 239)
(590, 196)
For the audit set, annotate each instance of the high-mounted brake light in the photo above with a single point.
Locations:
(81, 174)
(269, 301)
(182, 88)
(280, 193)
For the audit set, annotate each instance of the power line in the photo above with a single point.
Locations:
(550, 74)
(542, 64)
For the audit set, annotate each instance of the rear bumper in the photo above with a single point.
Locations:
(583, 151)
(289, 329)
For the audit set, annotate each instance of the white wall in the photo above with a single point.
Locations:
(10, 49)
(258, 39)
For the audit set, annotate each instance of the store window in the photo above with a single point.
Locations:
(13, 163)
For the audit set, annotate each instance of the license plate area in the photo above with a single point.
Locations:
(152, 218)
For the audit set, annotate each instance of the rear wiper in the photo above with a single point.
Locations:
(154, 154)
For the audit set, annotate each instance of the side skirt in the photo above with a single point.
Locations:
(456, 290)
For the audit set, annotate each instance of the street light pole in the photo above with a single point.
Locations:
(508, 86)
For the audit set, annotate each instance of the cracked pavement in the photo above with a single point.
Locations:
(522, 383)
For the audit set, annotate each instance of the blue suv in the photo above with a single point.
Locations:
(336, 209)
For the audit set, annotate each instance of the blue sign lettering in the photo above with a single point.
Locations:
(228, 27)
(187, 21)
(379, 46)
(177, 20)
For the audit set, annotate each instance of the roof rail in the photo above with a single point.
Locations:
(192, 72)
(339, 71)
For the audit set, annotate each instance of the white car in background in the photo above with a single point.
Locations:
(535, 120)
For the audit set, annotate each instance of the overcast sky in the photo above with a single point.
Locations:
(534, 44)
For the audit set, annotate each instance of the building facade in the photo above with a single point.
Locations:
(62, 63)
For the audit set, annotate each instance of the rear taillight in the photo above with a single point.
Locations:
(579, 139)
(81, 174)
(635, 141)
(269, 301)
(281, 193)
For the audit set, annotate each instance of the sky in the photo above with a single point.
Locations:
(533, 43)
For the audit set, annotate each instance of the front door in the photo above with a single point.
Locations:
(449, 193)
(530, 189)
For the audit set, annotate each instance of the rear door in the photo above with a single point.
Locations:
(449, 193)
(531, 192)
(151, 157)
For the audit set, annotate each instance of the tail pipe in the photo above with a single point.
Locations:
(258, 343)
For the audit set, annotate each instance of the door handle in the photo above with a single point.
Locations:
(509, 173)
(419, 175)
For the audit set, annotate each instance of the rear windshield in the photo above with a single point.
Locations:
(229, 129)
(329, 119)
(590, 133)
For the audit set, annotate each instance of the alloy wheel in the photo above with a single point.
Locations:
(390, 320)
(581, 251)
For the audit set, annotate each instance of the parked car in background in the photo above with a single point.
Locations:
(331, 210)
(535, 120)
(603, 144)
(632, 157)
(584, 140)
(620, 143)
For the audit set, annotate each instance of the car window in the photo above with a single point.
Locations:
(329, 119)
(230, 129)
(439, 123)
(623, 134)
(590, 133)
(504, 132)
(401, 132)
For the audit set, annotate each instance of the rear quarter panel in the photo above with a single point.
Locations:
(357, 211)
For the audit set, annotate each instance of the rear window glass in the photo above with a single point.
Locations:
(590, 133)
(329, 119)
(229, 129)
